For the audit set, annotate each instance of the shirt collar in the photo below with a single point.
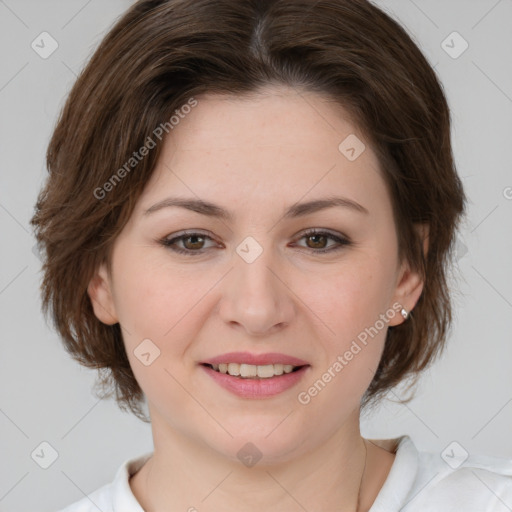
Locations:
(123, 499)
(391, 497)
(393, 494)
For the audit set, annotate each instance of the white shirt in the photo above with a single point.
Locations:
(417, 482)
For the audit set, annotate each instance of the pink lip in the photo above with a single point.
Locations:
(256, 388)
(255, 359)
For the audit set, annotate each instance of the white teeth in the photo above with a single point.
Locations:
(248, 371)
(233, 369)
(265, 372)
(279, 369)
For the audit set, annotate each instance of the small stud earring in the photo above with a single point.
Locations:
(404, 313)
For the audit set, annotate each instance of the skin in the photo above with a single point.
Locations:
(256, 157)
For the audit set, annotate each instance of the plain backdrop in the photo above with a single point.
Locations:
(45, 397)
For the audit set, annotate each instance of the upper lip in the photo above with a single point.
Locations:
(255, 359)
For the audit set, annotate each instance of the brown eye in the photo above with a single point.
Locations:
(196, 242)
(187, 243)
(317, 241)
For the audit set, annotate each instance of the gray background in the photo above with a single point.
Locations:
(45, 396)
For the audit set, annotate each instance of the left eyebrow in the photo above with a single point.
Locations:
(297, 210)
(300, 209)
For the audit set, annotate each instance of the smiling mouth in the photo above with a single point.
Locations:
(250, 371)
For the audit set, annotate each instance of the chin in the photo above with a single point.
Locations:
(252, 446)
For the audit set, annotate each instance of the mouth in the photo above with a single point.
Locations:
(256, 376)
(256, 372)
(255, 381)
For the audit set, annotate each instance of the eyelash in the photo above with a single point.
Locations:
(170, 242)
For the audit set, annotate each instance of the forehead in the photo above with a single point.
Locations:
(278, 115)
(272, 147)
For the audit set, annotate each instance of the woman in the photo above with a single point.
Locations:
(248, 222)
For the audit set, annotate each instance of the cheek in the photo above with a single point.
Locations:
(350, 298)
(151, 298)
(352, 346)
(167, 305)
(156, 310)
(351, 306)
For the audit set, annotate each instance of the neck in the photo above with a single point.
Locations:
(183, 474)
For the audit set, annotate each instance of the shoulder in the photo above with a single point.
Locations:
(457, 480)
(100, 499)
(452, 480)
(114, 496)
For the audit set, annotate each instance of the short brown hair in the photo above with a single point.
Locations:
(160, 54)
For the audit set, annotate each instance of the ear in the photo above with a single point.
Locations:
(100, 293)
(409, 283)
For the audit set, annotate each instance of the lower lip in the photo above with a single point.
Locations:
(256, 388)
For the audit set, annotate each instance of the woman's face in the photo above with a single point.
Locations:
(254, 280)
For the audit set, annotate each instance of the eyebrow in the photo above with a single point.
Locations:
(296, 210)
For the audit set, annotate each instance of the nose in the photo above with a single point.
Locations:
(256, 297)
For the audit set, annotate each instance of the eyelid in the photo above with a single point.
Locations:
(322, 231)
(341, 239)
(167, 241)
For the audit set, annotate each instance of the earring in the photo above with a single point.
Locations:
(404, 313)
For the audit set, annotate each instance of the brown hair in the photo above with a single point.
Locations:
(162, 53)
